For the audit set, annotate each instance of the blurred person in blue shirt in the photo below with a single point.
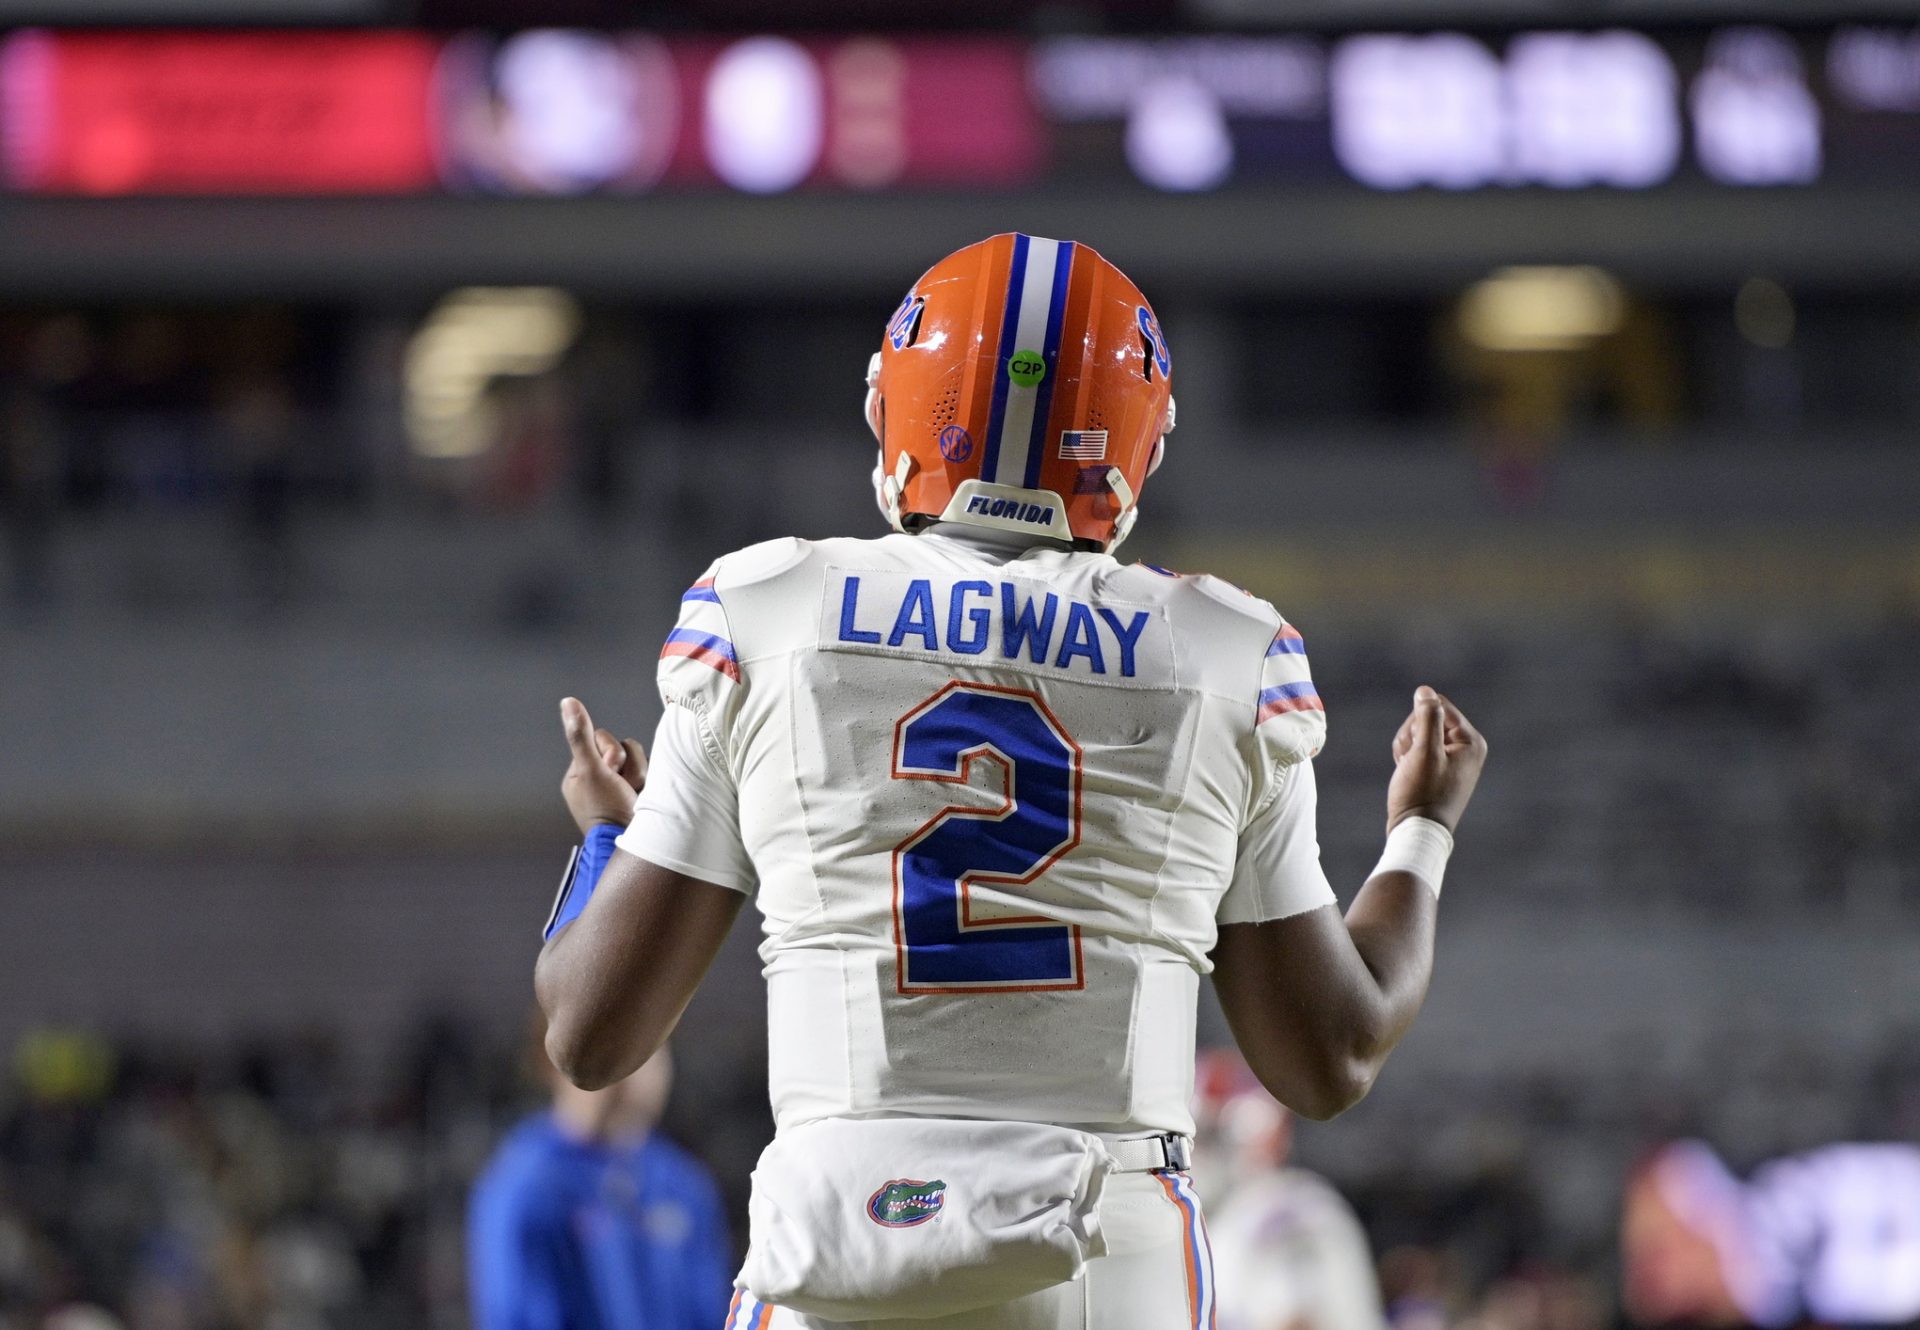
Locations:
(587, 1218)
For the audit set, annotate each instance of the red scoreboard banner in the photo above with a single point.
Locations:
(215, 113)
(546, 111)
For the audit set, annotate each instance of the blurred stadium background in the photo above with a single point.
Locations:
(374, 372)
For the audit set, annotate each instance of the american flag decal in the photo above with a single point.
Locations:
(1085, 445)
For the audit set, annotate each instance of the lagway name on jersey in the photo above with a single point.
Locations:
(1003, 619)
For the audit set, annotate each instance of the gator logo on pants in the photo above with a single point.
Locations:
(904, 1202)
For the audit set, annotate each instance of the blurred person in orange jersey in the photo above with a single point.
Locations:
(588, 1219)
(1287, 1249)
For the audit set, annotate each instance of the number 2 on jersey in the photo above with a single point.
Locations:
(941, 947)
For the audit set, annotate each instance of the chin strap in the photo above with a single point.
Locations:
(872, 410)
(1123, 492)
(1129, 511)
(889, 489)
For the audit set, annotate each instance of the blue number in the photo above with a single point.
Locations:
(941, 948)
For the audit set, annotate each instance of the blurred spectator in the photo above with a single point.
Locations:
(1412, 1287)
(1541, 1299)
(214, 1194)
(33, 448)
(1288, 1252)
(610, 375)
(259, 419)
(83, 1316)
(284, 1187)
(1829, 1235)
(531, 440)
(589, 1219)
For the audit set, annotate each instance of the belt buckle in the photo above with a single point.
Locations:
(1178, 1151)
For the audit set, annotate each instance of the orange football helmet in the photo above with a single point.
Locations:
(1023, 384)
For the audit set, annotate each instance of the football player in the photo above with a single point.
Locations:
(1001, 800)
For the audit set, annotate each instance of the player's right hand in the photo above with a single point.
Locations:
(1437, 756)
(605, 773)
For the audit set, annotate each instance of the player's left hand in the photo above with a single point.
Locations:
(605, 773)
(1437, 757)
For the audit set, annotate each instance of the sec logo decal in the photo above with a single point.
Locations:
(956, 445)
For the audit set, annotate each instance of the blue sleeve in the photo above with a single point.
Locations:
(711, 1250)
(513, 1277)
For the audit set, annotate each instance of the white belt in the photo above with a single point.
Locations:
(1152, 1154)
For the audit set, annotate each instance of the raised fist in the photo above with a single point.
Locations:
(1437, 756)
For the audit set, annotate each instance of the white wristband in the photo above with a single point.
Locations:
(1420, 846)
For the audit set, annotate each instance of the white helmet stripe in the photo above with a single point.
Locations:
(1032, 308)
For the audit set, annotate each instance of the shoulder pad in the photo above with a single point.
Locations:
(756, 563)
(1236, 599)
(1218, 590)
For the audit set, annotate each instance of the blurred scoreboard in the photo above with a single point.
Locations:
(567, 112)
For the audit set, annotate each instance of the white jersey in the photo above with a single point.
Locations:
(992, 806)
(1289, 1254)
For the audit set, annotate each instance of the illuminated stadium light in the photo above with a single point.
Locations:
(1875, 69)
(1541, 309)
(556, 111)
(765, 115)
(1565, 109)
(1177, 137)
(1764, 314)
(1755, 122)
(472, 337)
(570, 102)
(1592, 109)
(1426, 110)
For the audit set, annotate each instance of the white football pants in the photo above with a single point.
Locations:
(1157, 1275)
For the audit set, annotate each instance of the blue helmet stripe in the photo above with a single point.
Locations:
(1043, 404)
(1009, 326)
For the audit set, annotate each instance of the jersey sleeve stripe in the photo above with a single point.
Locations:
(709, 641)
(1287, 642)
(702, 590)
(705, 648)
(1282, 698)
